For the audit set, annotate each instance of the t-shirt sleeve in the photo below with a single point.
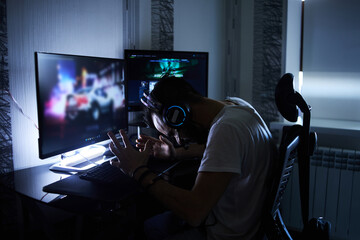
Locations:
(224, 149)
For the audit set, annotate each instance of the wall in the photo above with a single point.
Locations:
(84, 27)
(240, 48)
(6, 163)
(145, 25)
(200, 26)
(91, 27)
(293, 36)
(268, 56)
(255, 52)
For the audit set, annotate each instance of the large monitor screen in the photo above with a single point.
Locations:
(145, 67)
(79, 100)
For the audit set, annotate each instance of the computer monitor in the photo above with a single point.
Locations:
(145, 67)
(79, 99)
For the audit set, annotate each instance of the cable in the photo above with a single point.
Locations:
(20, 109)
(42, 198)
(171, 167)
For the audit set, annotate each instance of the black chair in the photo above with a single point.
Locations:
(296, 142)
(274, 226)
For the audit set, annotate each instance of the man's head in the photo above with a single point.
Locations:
(168, 109)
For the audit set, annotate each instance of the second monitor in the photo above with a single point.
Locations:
(145, 67)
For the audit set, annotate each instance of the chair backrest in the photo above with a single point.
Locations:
(286, 156)
(296, 142)
(274, 227)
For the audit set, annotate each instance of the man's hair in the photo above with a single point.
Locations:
(172, 90)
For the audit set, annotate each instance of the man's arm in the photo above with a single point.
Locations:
(195, 205)
(162, 148)
(194, 150)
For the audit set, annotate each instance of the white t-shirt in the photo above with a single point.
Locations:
(238, 142)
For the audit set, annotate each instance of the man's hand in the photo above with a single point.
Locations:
(161, 148)
(128, 159)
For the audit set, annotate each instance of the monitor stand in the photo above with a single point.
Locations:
(80, 160)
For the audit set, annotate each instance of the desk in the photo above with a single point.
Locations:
(76, 213)
(30, 181)
(39, 214)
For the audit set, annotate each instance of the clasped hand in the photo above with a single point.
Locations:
(161, 148)
(128, 158)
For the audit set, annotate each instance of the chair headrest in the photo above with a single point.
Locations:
(283, 98)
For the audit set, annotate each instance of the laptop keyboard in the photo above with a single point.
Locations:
(103, 173)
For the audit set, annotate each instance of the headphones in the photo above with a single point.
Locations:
(173, 115)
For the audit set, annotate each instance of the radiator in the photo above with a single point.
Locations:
(334, 192)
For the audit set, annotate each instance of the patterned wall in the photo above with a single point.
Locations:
(162, 25)
(6, 163)
(267, 56)
(8, 210)
(267, 63)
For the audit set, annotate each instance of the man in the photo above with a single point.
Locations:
(235, 144)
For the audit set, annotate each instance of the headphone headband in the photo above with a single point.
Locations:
(150, 102)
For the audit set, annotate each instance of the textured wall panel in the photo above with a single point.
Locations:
(267, 56)
(162, 24)
(6, 163)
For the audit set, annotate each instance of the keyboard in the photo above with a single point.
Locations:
(103, 173)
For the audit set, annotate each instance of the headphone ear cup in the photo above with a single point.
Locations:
(176, 115)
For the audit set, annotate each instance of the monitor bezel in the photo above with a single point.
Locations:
(40, 108)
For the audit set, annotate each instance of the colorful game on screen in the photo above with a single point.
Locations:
(145, 67)
(80, 99)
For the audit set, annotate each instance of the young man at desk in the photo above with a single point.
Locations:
(230, 188)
